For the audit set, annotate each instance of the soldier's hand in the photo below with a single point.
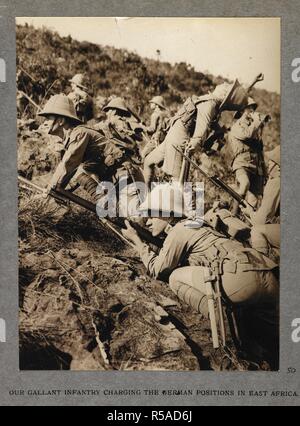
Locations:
(130, 233)
(46, 192)
(192, 146)
(248, 210)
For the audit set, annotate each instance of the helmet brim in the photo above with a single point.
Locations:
(47, 113)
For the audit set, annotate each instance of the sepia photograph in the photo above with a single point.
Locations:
(149, 193)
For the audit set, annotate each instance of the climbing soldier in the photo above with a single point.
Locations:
(99, 116)
(246, 144)
(81, 98)
(93, 156)
(158, 124)
(123, 120)
(195, 123)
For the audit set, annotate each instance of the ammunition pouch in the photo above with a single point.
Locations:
(187, 113)
(223, 221)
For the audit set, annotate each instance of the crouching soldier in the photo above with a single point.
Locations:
(191, 127)
(88, 152)
(247, 276)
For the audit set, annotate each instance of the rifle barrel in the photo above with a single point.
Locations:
(215, 180)
(62, 194)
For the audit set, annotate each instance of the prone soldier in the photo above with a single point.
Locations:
(247, 277)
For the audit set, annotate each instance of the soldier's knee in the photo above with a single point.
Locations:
(175, 279)
(243, 181)
(187, 293)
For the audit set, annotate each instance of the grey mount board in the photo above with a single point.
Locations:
(13, 383)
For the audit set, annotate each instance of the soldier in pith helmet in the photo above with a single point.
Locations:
(191, 127)
(81, 98)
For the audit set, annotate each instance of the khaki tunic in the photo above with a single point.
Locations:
(202, 247)
(158, 125)
(269, 209)
(246, 148)
(246, 274)
(197, 127)
(83, 103)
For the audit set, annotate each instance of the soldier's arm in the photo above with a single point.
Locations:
(72, 158)
(245, 128)
(169, 258)
(206, 113)
(153, 124)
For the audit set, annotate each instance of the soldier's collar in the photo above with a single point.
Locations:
(67, 137)
(168, 228)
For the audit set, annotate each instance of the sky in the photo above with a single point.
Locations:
(231, 47)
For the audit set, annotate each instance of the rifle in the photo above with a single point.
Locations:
(215, 180)
(29, 99)
(259, 77)
(63, 196)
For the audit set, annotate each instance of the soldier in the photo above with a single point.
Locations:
(268, 211)
(250, 107)
(265, 233)
(123, 120)
(266, 239)
(99, 116)
(246, 145)
(91, 152)
(83, 102)
(158, 124)
(247, 276)
(192, 126)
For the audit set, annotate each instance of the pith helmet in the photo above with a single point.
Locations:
(117, 103)
(235, 97)
(81, 81)
(250, 104)
(60, 105)
(165, 200)
(158, 100)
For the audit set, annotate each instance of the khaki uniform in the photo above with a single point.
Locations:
(193, 120)
(269, 209)
(157, 130)
(83, 103)
(246, 275)
(248, 161)
(158, 125)
(265, 238)
(96, 156)
(127, 127)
